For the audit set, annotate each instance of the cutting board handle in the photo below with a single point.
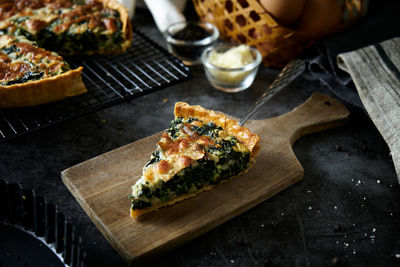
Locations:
(318, 113)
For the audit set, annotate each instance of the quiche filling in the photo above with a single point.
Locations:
(22, 60)
(66, 26)
(190, 156)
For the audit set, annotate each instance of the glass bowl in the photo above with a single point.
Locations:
(230, 80)
(187, 40)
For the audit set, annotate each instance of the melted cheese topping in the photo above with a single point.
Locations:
(176, 155)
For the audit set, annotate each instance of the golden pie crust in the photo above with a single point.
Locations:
(243, 134)
(42, 91)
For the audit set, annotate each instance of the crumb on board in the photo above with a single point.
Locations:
(165, 100)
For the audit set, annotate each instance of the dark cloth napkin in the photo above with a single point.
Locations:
(361, 66)
(381, 23)
(375, 71)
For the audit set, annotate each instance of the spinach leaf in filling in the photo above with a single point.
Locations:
(175, 127)
(209, 129)
(10, 49)
(29, 76)
(155, 157)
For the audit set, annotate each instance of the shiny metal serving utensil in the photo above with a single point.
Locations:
(290, 72)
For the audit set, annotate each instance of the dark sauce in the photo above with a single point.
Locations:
(197, 38)
(191, 32)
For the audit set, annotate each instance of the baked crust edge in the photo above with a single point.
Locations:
(43, 91)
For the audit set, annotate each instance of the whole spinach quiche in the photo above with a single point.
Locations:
(199, 150)
(33, 35)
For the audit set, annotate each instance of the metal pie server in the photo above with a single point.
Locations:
(290, 72)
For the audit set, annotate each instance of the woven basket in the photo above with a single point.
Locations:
(247, 22)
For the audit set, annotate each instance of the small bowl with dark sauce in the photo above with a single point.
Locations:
(187, 40)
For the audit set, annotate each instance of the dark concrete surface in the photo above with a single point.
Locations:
(345, 211)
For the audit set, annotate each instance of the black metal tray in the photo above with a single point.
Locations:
(34, 233)
(144, 68)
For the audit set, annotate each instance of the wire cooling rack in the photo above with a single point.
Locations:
(110, 80)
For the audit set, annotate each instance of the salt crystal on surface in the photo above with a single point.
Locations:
(310, 208)
(335, 208)
(373, 230)
(378, 181)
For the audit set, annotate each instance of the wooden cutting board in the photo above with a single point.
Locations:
(102, 184)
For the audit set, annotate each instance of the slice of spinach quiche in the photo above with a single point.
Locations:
(200, 149)
(30, 75)
(30, 29)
